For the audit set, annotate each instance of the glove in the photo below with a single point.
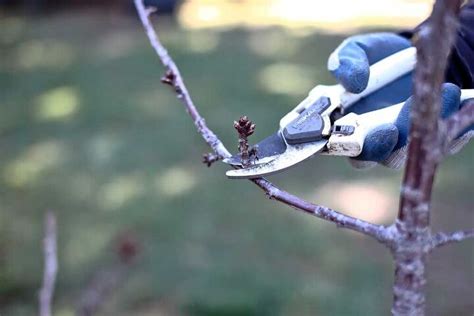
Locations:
(350, 65)
(388, 143)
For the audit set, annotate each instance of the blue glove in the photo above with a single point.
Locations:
(350, 65)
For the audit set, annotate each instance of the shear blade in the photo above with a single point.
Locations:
(267, 150)
(294, 154)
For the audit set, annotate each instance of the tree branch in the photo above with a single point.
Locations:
(50, 265)
(433, 47)
(441, 239)
(173, 78)
(435, 39)
(459, 121)
(381, 233)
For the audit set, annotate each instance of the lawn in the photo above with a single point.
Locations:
(88, 131)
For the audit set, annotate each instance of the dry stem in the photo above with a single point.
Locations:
(50, 265)
(441, 239)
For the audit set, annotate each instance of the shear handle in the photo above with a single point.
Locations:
(381, 73)
(351, 144)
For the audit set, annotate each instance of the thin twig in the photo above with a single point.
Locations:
(441, 239)
(459, 121)
(173, 78)
(381, 233)
(50, 265)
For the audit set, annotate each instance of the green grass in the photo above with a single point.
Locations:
(87, 130)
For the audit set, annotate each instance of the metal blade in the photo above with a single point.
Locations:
(267, 150)
(294, 154)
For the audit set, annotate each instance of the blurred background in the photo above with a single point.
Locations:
(87, 130)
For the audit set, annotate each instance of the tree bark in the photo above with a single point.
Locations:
(435, 39)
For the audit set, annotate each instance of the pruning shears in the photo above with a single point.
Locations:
(319, 124)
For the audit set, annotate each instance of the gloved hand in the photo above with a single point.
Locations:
(387, 144)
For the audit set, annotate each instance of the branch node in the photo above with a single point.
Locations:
(169, 78)
(209, 158)
(150, 10)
